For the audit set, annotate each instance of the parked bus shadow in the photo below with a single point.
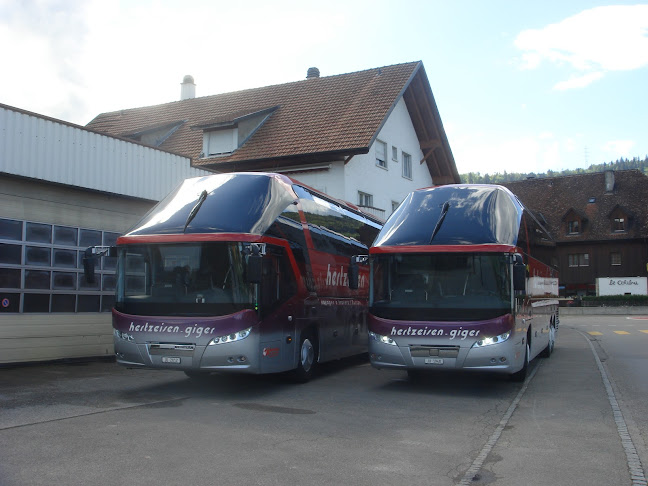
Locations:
(232, 386)
(454, 383)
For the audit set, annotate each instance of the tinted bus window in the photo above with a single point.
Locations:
(335, 229)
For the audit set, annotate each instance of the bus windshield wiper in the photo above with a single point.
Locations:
(195, 209)
(437, 227)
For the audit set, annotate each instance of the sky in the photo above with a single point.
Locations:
(521, 85)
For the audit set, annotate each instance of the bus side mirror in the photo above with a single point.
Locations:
(255, 269)
(353, 274)
(519, 274)
(354, 270)
(89, 264)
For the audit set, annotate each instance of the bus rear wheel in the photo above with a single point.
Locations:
(546, 352)
(307, 359)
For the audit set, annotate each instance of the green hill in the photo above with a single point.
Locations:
(497, 178)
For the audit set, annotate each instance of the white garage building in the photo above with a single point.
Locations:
(63, 188)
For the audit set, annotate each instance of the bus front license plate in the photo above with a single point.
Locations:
(434, 361)
(169, 359)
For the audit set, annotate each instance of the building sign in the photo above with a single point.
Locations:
(622, 286)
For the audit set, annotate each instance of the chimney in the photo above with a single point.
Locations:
(187, 88)
(609, 181)
(313, 72)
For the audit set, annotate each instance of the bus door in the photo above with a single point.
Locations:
(277, 307)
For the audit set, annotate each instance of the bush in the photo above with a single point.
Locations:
(615, 300)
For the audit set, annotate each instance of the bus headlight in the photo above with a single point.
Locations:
(492, 340)
(123, 335)
(382, 339)
(231, 338)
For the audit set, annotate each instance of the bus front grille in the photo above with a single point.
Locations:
(440, 351)
(171, 349)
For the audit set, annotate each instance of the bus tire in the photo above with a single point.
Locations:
(307, 358)
(521, 375)
(546, 352)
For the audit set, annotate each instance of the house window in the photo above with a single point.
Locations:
(407, 166)
(394, 153)
(395, 205)
(579, 260)
(615, 258)
(381, 154)
(619, 225)
(220, 142)
(365, 199)
(573, 227)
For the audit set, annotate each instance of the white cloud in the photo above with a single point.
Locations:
(595, 41)
(619, 148)
(523, 154)
(102, 56)
(578, 81)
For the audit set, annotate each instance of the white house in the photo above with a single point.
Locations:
(368, 137)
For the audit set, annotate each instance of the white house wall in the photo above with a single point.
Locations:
(329, 179)
(41, 148)
(387, 185)
(343, 181)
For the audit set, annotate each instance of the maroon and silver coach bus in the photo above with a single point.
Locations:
(243, 272)
(461, 279)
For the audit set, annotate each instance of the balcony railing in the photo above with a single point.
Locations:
(379, 213)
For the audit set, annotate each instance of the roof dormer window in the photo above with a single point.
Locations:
(224, 134)
(573, 227)
(574, 222)
(619, 220)
(218, 142)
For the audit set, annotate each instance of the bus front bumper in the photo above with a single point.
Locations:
(240, 356)
(506, 357)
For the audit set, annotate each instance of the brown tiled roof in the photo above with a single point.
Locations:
(551, 199)
(326, 116)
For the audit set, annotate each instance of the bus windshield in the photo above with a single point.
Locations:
(200, 279)
(440, 286)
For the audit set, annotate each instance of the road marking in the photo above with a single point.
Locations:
(621, 332)
(638, 318)
(469, 478)
(85, 414)
(595, 333)
(634, 463)
(643, 331)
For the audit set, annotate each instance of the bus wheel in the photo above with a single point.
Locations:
(521, 375)
(546, 352)
(307, 359)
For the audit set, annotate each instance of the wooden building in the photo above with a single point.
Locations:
(599, 222)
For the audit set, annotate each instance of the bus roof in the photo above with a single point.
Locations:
(456, 214)
(220, 203)
(235, 203)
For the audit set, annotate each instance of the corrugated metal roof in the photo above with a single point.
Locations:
(52, 150)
